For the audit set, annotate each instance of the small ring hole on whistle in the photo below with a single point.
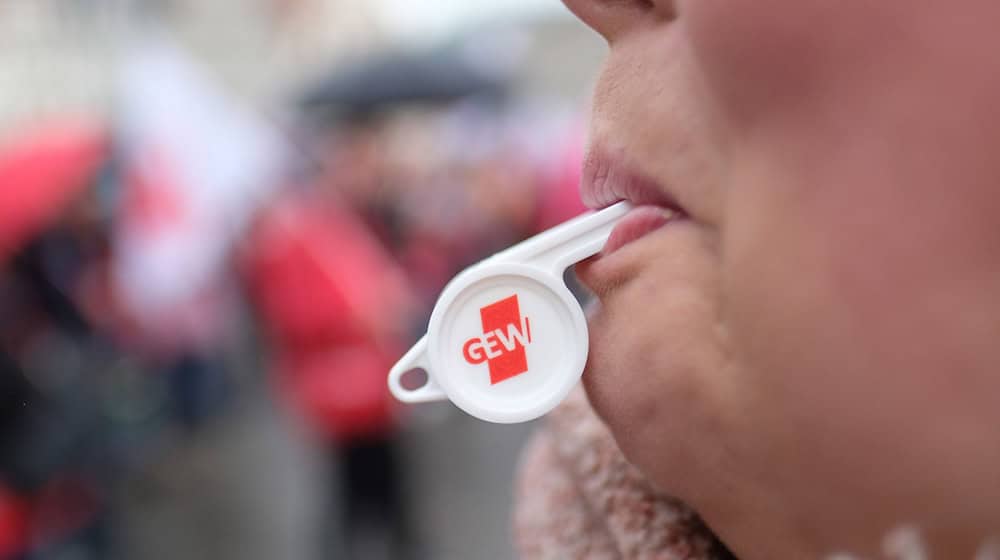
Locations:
(414, 379)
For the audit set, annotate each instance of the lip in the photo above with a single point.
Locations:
(640, 221)
(606, 181)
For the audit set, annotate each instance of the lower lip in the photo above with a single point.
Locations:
(636, 224)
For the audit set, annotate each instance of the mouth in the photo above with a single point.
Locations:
(607, 181)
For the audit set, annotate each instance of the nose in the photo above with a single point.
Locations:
(615, 18)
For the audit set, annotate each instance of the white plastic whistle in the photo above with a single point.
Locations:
(507, 341)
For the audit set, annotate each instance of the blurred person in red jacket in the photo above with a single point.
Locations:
(336, 308)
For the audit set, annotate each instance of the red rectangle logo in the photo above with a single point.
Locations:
(505, 335)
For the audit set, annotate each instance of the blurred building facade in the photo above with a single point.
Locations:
(60, 55)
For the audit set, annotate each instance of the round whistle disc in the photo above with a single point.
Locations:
(508, 343)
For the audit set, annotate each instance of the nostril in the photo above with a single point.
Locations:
(612, 18)
(633, 5)
(662, 9)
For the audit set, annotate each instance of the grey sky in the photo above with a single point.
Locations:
(428, 20)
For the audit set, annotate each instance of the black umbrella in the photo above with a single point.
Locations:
(394, 79)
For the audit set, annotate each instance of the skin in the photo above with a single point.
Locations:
(811, 357)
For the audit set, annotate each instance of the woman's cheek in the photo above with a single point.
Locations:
(762, 58)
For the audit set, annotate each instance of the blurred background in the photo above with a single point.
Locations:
(220, 223)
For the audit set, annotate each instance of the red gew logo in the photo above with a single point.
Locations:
(505, 334)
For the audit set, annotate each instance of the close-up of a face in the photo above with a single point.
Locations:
(797, 331)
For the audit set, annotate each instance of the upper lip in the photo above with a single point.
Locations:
(607, 180)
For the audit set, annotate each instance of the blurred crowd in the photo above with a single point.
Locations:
(135, 246)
